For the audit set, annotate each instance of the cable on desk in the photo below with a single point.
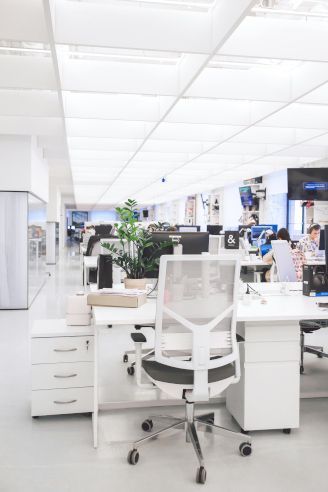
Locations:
(152, 290)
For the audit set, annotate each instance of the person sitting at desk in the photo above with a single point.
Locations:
(310, 242)
(297, 256)
(266, 247)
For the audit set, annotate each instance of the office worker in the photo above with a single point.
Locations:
(310, 243)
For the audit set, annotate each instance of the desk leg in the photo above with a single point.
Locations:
(84, 276)
(95, 390)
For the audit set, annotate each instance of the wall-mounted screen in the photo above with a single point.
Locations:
(246, 196)
(308, 184)
(79, 218)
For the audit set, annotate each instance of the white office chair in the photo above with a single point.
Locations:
(196, 352)
(283, 257)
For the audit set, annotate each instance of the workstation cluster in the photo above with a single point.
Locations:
(201, 336)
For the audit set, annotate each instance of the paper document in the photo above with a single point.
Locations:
(121, 292)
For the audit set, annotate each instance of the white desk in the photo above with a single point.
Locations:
(88, 262)
(267, 396)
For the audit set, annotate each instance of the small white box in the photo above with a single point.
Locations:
(77, 304)
(78, 319)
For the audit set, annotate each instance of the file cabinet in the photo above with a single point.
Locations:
(62, 368)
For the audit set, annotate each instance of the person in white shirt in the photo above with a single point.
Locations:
(310, 243)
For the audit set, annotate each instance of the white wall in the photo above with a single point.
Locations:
(14, 163)
(39, 177)
(201, 212)
(273, 210)
(232, 209)
(172, 212)
(22, 166)
(102, 216)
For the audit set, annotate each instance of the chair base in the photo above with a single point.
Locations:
(190, 424)
(310, 349)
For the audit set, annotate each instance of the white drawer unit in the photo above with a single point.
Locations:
(63, 375)
(62, 368)
(61, 349)
(62, 401)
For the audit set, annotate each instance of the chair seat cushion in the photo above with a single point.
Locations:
(308, 326)
(173, 375)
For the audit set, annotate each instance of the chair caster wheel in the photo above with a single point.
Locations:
(147, 425)
(319, 356)
(201, 475)
(125, 358)
(301, 369)
(130, 370)
(245, 449)
(286, 431)
(133, 457)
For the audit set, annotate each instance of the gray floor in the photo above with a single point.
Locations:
(55, 454)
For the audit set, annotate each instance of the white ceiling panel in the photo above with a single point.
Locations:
(318, 96)
(195, 132)
(221, 112)
(103, 144)
(103, 155)
(104, 128)
(115, 106)
(300, 116)
(280, 38)
(275, 135)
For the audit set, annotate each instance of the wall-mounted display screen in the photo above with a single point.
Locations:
(308, 184)
(79, 218)
(246, 196)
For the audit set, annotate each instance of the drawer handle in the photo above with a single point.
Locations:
(65, 350)
(58, 402)
(65, 376)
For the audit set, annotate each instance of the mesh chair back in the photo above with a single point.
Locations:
(196, 314)
(93, 247)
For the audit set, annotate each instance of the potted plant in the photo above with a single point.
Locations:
(134, 240)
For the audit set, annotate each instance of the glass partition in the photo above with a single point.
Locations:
(37, 215)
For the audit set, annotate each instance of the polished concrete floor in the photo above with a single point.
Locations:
(54, 454)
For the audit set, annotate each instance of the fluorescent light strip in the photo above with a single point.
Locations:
(289, 12)
(24, 50)
(122, 57)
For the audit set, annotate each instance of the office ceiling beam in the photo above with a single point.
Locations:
(130, 26)
(26, 72)
(29, 103)
(22, 20)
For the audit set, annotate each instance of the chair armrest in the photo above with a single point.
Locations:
(138, 337)
(138, 327)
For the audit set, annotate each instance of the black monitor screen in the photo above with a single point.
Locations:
(322, 239)
(308, 184)
(79, 218)
(246, 196)
(214, 230)
(192, 243)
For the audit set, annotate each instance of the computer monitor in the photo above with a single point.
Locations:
(103, 230)
(256, 231)
(214, 230)
(188, 228)
(322, 240)
(192, 243)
